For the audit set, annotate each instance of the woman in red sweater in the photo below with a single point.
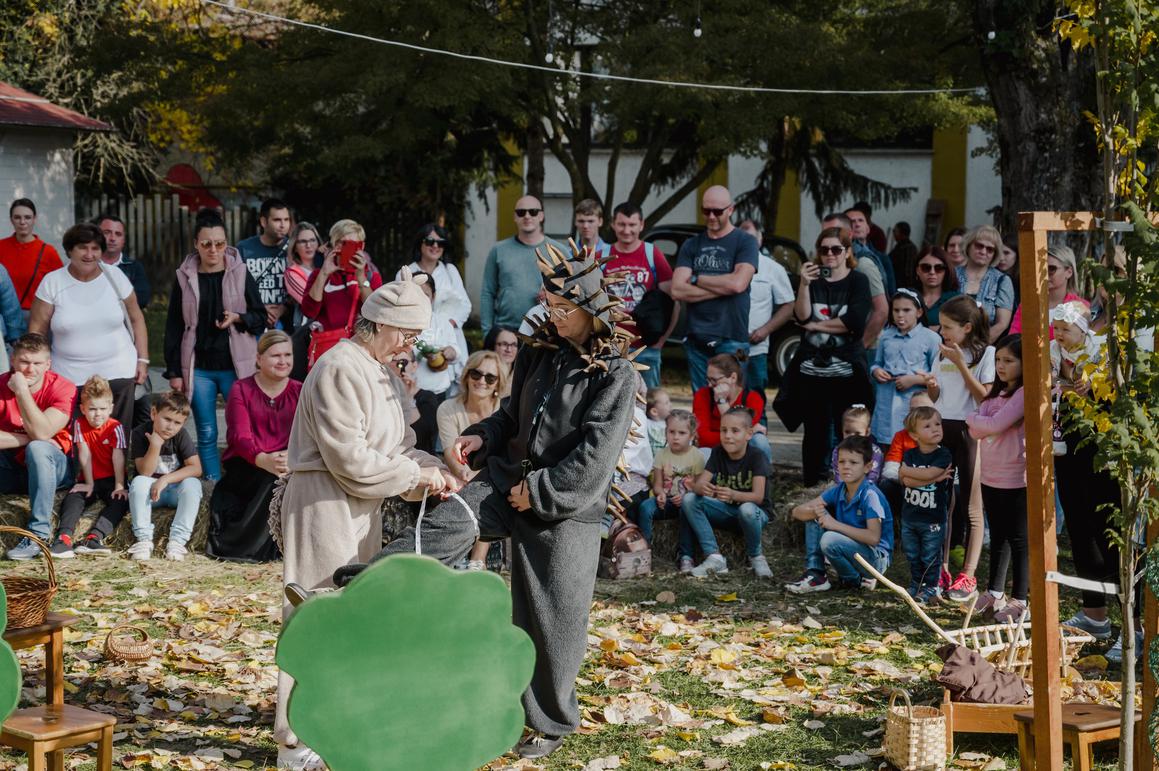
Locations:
(258, 416)
(725, 390)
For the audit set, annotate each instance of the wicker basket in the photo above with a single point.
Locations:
(120, 645)
(29, 597)
(915, 737)
(1007, 646)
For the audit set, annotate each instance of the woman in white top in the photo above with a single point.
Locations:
(89, 308)
(430, 257)
(440, 345)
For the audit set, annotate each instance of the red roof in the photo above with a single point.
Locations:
(21, 108)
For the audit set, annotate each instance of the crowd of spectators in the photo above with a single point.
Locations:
(909, 355)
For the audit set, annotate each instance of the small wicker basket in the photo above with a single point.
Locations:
(915, 737)
(120, 645)
(29, 597)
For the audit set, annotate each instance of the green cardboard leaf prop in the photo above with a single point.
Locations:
(412, 665)
(9, 668)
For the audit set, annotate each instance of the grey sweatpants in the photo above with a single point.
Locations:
(553, 575)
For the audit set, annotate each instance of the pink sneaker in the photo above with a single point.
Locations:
(988, 604)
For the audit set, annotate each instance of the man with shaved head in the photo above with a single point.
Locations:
(713, 273)
(511, 280)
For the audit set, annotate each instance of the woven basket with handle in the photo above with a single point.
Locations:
(29, 597)
(128, 643)
(915, 737)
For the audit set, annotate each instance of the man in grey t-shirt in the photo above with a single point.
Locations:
(713, 273)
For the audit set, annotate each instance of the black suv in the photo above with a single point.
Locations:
(785, 251)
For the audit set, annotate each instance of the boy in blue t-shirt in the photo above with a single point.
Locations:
(852, 517)
(927, 475)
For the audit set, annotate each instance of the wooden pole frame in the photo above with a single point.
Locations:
(1033, 228)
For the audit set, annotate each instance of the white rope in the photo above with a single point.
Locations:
(423, 511)
(584, 74)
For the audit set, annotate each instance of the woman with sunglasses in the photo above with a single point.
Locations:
(426, 403)
(481, 387)
(1061, 285)
(984, 283)
(215, 314)
(936, 282)
(829, 371)
(431, 255)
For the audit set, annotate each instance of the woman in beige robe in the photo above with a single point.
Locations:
(351, 447)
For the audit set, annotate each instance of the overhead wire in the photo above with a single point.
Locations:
(583, 73)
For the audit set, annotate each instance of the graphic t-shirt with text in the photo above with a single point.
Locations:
(267, 264)
(737, 474)
(720, 318)
(928, 503)
(636, 278)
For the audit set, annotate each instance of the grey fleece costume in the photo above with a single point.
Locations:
(566, 429)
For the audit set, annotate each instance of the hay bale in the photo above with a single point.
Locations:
(15, 511)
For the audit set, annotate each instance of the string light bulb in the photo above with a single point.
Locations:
(697, 30)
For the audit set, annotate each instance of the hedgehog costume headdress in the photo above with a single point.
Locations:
(580, 279)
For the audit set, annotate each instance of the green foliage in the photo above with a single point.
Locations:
(411, 666)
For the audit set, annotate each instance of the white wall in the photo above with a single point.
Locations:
(983, 185)
(900, 168)
(480, 227)
(37, 164)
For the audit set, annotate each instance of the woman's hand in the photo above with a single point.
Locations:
(227, 318)
(273, 462)
(810, 273)
(432, 478)
(881, 376)
(359, 261)
(453, 482)
(465, 446)
(520, 497)
(142, 372)
(177, 384)
(329, 265)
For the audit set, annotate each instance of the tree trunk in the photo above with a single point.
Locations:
(535, 158)
(1039, 88)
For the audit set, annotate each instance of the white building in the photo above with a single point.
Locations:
(36, 140)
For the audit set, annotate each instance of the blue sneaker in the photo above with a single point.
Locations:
(1100, 630)
(25, 550)
(928, 595)
(1115, 654)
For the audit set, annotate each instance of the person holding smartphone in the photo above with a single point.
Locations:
(347, 277)
(215, 314)
(828, 373)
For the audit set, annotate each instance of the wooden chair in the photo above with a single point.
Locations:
(47, 730)
(1082, 726)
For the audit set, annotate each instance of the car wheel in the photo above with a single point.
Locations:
(783, 349)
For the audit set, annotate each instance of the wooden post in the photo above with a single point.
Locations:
(1144, 753)
(1040, 492)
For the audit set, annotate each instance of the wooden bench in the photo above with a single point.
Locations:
(47, 730)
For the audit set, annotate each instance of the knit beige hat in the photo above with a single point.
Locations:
(402, 304)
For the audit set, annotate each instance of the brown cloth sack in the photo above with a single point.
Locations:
(972, 678)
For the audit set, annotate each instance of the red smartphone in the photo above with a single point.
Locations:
(346, 254)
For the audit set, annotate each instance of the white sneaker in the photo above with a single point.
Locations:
(475, 566)
(869, 584)
(760, 566)
(685, 564)
(25, 550)
(713, 563)
(141, 551)
(299, 758)
(175, 551)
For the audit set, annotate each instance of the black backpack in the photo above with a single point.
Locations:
(653, 313)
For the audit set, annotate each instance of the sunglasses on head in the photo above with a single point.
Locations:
(486, 377)
(438, 242)
(710, 211)
(931, 267)
(527, 212)
(834, 250)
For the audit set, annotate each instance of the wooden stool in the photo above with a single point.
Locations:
(51, 728)
(1082, 726)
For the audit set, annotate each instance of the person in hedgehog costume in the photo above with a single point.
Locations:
(547, 458)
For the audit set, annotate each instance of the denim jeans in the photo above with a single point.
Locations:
(922, 543)
(648, 511)
(650, 357)
(698, 359)
(756, 375)
(44, 471)
(207, 384)
(185, 496)
(840, 548)
(702, 513)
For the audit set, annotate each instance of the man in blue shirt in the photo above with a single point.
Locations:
(862, 249)
(511, 280)
(265, 257)
(713, 273)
